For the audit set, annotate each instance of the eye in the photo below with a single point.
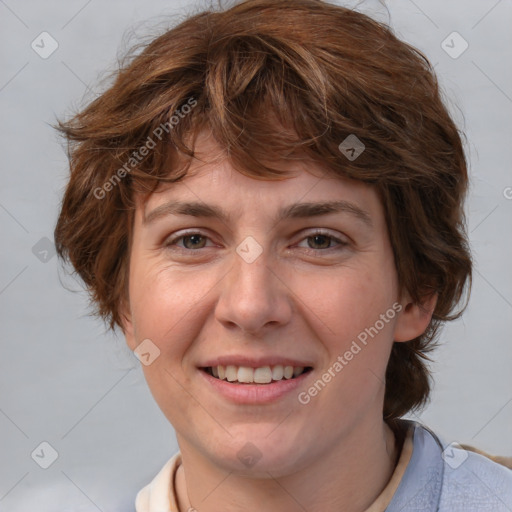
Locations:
(194, 240)
(324, 240)
(191, 241)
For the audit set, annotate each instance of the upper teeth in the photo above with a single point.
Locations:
(261, 375)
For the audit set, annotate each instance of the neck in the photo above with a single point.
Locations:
(349, 477)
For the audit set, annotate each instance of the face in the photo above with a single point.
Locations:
(246, 295)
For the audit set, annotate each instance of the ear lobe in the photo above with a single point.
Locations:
(414, 318)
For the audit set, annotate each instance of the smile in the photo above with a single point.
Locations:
(260, 375)
(261, 385)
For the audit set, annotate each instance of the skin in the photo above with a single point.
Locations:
(303, 297)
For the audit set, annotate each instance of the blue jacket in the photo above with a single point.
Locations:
(442, 477)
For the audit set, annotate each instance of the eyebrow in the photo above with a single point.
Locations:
(293, 211)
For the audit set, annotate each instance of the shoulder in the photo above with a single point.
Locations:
(444, 477)
(461, 480)
(473, 482)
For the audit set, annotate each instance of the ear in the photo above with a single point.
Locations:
(414, 317)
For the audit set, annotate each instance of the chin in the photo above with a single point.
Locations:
(257, 456)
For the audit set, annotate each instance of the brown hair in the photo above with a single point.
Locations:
(278, 80)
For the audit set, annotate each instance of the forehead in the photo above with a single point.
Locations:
(213, 180)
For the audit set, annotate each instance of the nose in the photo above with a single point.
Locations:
(254, 296)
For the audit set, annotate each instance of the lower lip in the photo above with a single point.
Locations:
(255, 394)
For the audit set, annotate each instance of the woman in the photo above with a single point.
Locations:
(268, 201)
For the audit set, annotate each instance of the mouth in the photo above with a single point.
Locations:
(263, 375)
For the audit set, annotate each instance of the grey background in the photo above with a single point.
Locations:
(65, 381)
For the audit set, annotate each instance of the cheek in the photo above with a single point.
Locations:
(170, 308)
(163, 300)
(344, 310)
(166, 307)
(356, 343)
(343, 304)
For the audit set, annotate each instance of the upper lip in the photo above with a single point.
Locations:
(254, 362)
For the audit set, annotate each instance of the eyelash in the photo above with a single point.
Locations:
(342, 244)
